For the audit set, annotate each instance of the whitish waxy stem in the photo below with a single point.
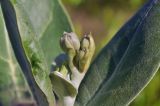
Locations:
(62, 86)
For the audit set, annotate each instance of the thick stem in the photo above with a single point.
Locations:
(76, 78)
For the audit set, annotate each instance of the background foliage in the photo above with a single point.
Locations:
(104, 18)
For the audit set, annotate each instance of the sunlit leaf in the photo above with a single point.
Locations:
(36, 44)
(12, 83)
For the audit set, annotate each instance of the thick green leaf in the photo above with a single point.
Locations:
(11, 25)
(47, 21)
(40, 22)
(45, 31)
(12, 83)
(127, 64)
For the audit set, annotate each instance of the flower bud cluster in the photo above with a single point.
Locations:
(82, 51)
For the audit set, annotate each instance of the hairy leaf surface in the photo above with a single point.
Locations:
(127, 64)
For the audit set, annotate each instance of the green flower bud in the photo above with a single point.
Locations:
(70, 44)
(69, 41)
(85, 54)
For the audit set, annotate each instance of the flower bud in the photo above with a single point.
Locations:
(69, 41)
(85, 53)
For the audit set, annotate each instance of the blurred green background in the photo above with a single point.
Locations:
(104, 18)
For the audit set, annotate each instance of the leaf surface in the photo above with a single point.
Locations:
(12, 83)
(127, 64)
(35, 40)
(46, 20)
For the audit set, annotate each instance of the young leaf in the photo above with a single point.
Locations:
(40, 24)
(127, 64)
